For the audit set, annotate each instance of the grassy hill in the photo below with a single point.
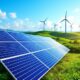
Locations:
(67, 69)
(72, 36)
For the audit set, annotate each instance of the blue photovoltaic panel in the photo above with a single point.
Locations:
(45, 57)
(56, 44)
(27, 37)
(31, 46)
(40, 38)
(58, 53)
(35, 46)
(19, 36)
(46, 41)
(11, 49)
(5, 37)
(29, 57)
(50, 56)
(26, 67)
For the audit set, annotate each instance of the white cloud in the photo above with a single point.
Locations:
(49, 23)
(7, 25)
(16, 24)
(13, 15)
(2, 14)
(23, 25)
(71, 19)
(77, 10)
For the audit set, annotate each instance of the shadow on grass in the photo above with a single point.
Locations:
(4, 74)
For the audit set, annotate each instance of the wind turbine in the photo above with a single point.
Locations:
(55, 25)
(65, 20)
(79, 28)
(44, 23)
(60, 28)
(52, 28)
(71, 27)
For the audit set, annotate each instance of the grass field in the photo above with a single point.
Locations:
(69, 67)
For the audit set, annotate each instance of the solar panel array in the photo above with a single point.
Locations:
(29, 57)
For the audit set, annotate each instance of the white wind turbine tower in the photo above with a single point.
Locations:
(44, 24)
(55, 25)
(71, 27)
(66, 21)
(79, 28)
(60, 28)
(52, 28)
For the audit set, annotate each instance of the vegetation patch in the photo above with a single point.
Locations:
(67, 69)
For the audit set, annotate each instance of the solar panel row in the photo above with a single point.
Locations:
(29, 57)
(11, 49)
(8, 49)
(48, 57)
(26, 67)
(5, 37)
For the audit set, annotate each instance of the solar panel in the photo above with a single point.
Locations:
(45, 57)
(11, 49)
(48, 57)
(19, 36)
(5, 37)
(22, 37)
(26, 67)
(35, 46)
(32, 66)
(29, 57)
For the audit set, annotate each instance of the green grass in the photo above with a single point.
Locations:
(4, 74)
(69, 67)
(72, 36)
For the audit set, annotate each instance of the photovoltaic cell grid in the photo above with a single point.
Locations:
(29, 57)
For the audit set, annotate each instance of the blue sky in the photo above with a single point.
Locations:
(32, 11)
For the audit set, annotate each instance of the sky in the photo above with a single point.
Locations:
(25, 15)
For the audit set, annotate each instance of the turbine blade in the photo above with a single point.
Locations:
(66, 14)
(41, 21)
(45, 19)
(62, 20)
(68, 21)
